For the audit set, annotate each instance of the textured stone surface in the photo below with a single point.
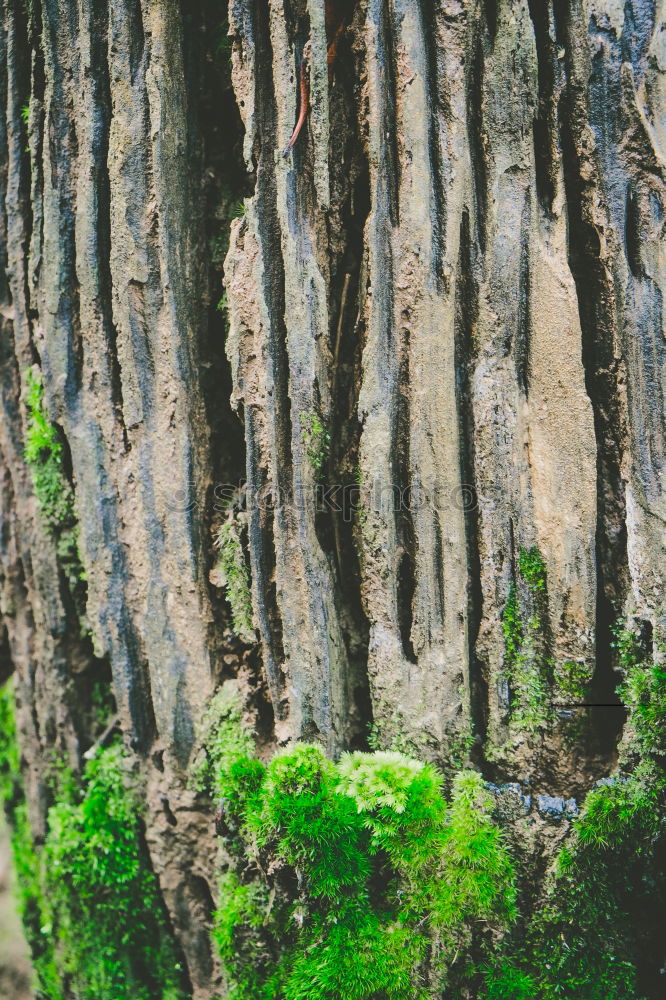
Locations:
(502, 289)
(106, 286)
(459, 271)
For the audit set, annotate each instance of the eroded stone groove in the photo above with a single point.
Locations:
(467, 307)
(503, 97)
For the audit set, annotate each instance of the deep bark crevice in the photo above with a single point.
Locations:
(545, 121)
(261, 521)
(402, 484)
(466, 318)
(390, 174)
(477, 136)
(598, 319)
(349, 178)
(523, 326)
(430, 11)
(102, 92)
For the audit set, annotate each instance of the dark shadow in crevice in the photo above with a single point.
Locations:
(476, 136)
(545, 122)
(466, 318)
(101, 81)
(434, 73)
(406, 587)
(491, 18)
(597, 311)
(390, 173)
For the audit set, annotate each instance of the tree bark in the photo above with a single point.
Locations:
(444, 338)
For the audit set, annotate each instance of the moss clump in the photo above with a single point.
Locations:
(526, 666)
(525, 669)
(106, 908)
(506, 982)
(354, 880)
(512, 627)
(598, 935)
(234, 576)
(317, 442)
(55, 496)
(89, 900)
(573, 678)
(43, 453)
(32, 902)
(643, 691)
(533, 569)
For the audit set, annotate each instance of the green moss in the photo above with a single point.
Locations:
(55, 496)
(32, 902)
(533, 569)
(512, 627)
(224, 742)
(526, 666)
(598, 932)
(43, 453)
(643, 691)
(598, 935)
(506, 982)
(526, 669)
(573, 679)
(112, 933)
(235, 577)
(317, 442)
(89, 900)
(365, 877)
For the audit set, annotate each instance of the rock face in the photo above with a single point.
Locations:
(457, 270)
(446, 344)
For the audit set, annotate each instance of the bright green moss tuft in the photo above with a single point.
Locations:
(89, 901)
(107, 913)
(235, 578)
(533, 569)
(364, 877)
(55, 496)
